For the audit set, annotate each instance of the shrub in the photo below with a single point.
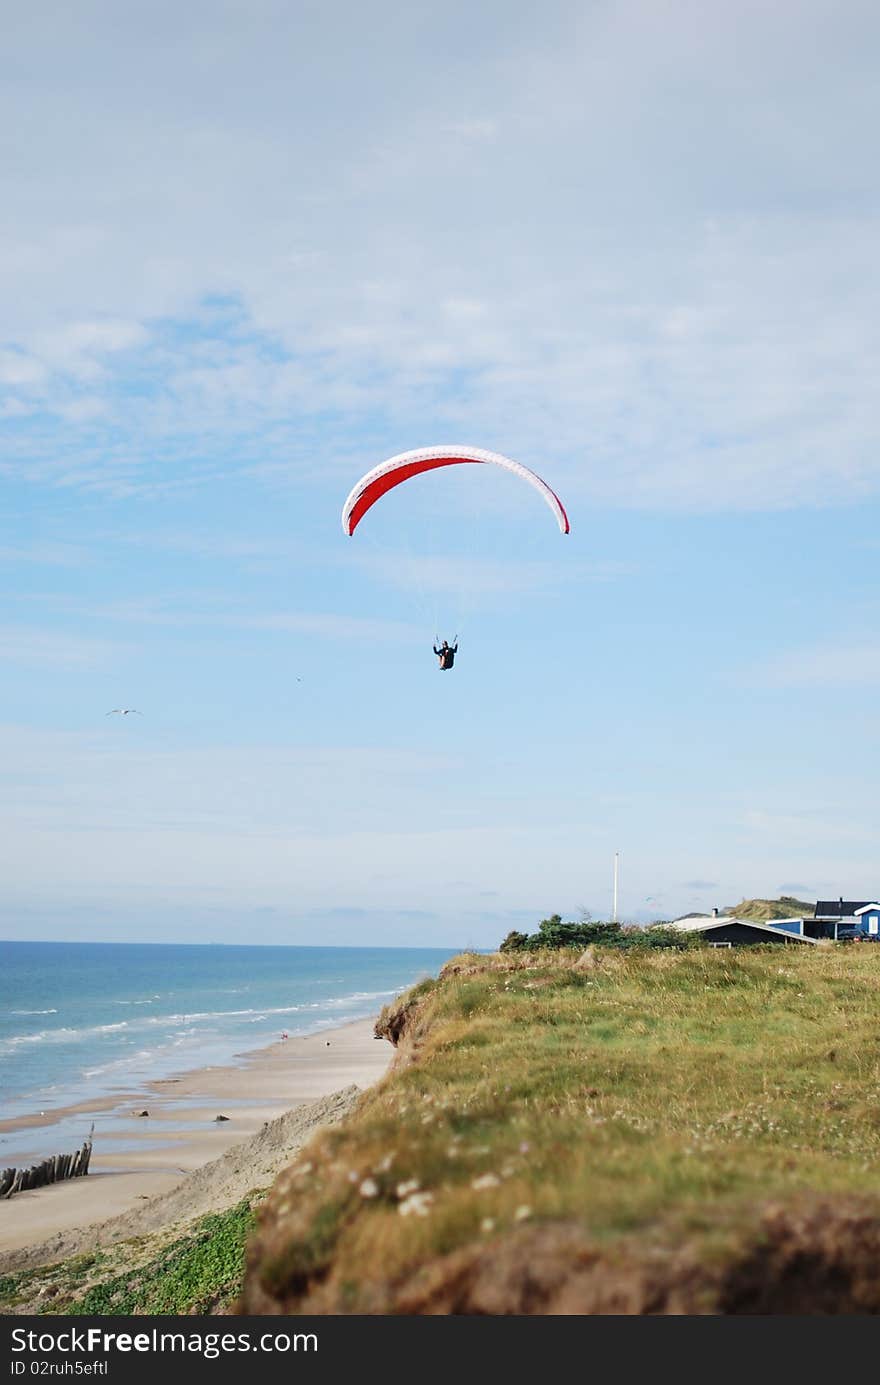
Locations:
(553, 933)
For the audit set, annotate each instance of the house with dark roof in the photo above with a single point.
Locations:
(728, 931)
(847, 918)
(840, 919)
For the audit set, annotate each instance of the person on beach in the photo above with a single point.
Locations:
(446, 653)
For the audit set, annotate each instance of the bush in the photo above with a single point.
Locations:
(553, 933)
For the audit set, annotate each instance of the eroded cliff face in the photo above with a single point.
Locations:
(399, 1023)
(820, 1259)
(432, 1198)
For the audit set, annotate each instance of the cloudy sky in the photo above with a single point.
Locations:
(247, 251)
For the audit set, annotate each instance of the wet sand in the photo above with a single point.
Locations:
(136, 1157)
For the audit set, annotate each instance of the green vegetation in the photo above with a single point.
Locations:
(198, 1272)
(19, 1291)
(645, 1112)
(553, 933)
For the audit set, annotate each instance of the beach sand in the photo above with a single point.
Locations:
(181, 1134)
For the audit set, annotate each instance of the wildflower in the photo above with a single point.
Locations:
(486, 1180)
(404, 1189)
(418, 1203)
(522, 1213)
(487, 1224)
(369, 1188)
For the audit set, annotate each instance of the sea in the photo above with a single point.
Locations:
(83, 1022)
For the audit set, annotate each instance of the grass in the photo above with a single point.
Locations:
(654, 1100)
(762, 910)
(197, 1272)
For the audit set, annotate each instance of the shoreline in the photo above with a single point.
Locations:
(181, 1132)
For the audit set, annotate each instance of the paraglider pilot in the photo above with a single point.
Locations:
(446, 653)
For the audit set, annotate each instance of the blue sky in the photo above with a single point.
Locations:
(250, 251)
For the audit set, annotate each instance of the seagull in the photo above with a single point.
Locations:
(123, 711)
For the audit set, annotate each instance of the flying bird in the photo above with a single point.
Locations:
(123, 711)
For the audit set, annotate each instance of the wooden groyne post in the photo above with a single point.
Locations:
(54, 1170)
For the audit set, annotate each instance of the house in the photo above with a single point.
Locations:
(729, 931)
(844, 918)
(838, 919)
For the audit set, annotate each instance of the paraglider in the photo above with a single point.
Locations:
(446, 653)
(402, 467)
(405, 465)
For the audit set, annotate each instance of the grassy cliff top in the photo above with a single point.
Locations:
(672, 1132)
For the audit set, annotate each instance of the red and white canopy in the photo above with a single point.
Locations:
(387, 475)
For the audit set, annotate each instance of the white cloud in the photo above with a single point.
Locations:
(804, 827)
(637, 240)
(831, 666)
(203, 612)
(58, 554)
(132, 822)
(475, 576)
(52, 649)
(121, 816)
(82, 410)
(474, 129)
(332, 626)
(18, 368)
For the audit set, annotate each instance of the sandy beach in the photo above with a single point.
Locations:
(137, 1158)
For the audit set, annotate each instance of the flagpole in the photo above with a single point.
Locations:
(616, 872)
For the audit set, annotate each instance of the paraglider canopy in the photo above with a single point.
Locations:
(387, 475)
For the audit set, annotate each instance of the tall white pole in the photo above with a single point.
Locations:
(616, 870)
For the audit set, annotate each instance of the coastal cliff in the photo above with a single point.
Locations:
(559, 1133)
(665, 1133)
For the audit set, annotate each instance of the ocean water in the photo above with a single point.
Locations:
(80, 1021)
